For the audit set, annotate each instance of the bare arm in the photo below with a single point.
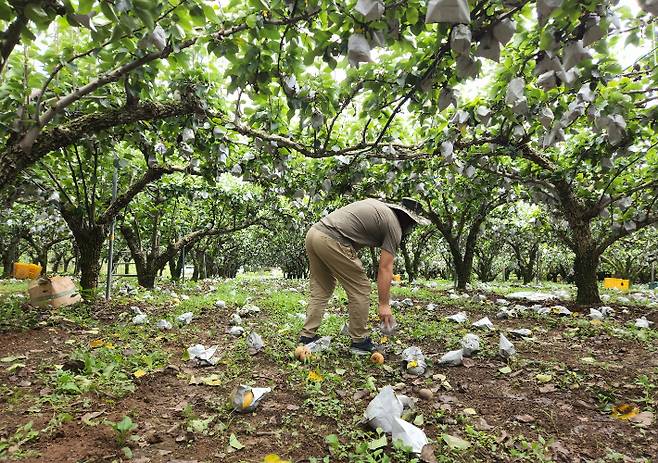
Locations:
(384, 278)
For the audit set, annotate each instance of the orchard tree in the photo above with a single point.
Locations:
(176, 215)
(414, 249)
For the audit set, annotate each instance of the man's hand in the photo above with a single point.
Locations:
(386, 315)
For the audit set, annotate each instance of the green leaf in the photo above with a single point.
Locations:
(412, 15)
(126, 424)
(235, 443)
(108, 11)
(5, 12)
(378, 443)
(454, 442)
(251, 20)
(35, 13)
(505, 370)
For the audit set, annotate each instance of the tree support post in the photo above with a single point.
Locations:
(110, 252)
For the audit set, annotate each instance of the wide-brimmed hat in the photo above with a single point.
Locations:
(412, 208)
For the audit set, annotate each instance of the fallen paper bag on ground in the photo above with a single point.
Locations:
(54, 291)
(390, 329)
(140, 319)
(185, 318)
(235, 331)
(246, 399)
(521, 332)
(321, 344)
(236, 320)
(505, 347)
(453, 358)
(595, 314)
(254, 343)
(383, 409)
(414, 360)
(459, 317)
(470, 344)
(642, 322)
(409, 434)
(164, 325)
(202, 355)
(484, 323)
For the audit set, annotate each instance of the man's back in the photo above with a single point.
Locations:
(366, 223)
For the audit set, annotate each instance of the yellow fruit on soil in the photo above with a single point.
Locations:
(377, 358)
(247, 399)
(302, 353)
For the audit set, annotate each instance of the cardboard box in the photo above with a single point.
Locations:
(54, 292)
(24, 271)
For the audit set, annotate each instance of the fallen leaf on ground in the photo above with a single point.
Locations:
(96, 343)
(274, 458)
(642, 420)
(378, 443)
(543, 378)
(341, 371)
(482, 425)
(235, 443)
(470, 411)
(624, 411)
(427, 454)
(315, 376)
(524, 418)
(87, 417)
(547, 388)
(454, 442)
(139, 373)
(505, 370)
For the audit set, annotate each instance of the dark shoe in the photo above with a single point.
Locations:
(364, 347)
(305, 339)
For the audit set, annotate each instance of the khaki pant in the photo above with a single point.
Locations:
(329, 261)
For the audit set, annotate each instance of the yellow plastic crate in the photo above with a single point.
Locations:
(617, 283)
(24, 271)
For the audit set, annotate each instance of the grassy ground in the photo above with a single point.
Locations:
(85, 384)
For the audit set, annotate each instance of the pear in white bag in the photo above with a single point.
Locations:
(460, 39)
(358, 50)
(504, 30)
(448, 11)
(650, 6)
(545, 8)
(370, 9)
(489, 48)
(574, 54)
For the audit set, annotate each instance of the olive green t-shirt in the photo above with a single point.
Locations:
(366, 223)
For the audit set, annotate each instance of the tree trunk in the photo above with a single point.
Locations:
(9, 256)
(585, 267)
(408, 264)
(586, 262)
(43, 261)
(146, 278)
(90, 246)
